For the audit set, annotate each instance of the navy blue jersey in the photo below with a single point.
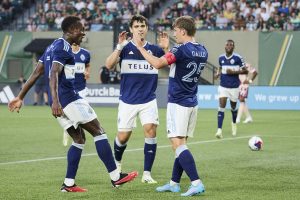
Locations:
(138, 77)
(190, 60)
(60, 51)
(235, 62)
(82, 58)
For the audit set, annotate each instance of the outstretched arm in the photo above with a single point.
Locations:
(16, 103)
(56, 69)
(153, 60)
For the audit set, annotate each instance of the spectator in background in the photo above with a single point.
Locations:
(40, 89)
(104, 75)
(21, 81)
(114, 76)
(109, 76)
(251, 24)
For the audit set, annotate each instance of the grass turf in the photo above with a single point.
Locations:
(227, 167)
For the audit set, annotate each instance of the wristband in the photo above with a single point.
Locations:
(122, 45)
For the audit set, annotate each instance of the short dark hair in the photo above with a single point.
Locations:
(69, 22)
(230, 40)
(187, 23)
(138, 18)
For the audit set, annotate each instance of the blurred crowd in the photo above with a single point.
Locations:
(96, 15)
(11, 9)
(262, 15)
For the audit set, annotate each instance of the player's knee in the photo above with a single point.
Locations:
(79, 139)
(123, 138)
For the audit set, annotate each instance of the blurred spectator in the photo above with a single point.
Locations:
(40, 89)
(111, 76)
(104, 75)
(21, 81)
(251, 24)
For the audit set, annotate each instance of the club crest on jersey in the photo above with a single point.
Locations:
(222, 61)
(82, 57)
(232, 61)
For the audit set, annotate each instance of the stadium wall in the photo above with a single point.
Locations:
(260, 97)
(278, 58)
(274, 54)
(14, 62)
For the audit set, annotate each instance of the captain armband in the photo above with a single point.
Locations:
(170, 58)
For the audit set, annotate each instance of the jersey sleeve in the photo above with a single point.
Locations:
(173, 55)
(241, 62)
(220, 64)
(42, 58)
(60, 55)
(88, 57)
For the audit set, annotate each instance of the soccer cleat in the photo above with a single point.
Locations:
(73, 188)
(248, 120)
(148, 179)
(124, 178)
(168, 188)
(65, 138)
(194, 190)
(234, 129)
(219, 134)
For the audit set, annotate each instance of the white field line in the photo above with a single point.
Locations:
(138, 149)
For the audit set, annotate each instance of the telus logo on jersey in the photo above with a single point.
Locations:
(140, 66)
(137, 66)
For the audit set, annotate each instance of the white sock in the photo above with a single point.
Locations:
(114, 175)
(196, 182)
(147, 173)
(172, 183)
(69, 182)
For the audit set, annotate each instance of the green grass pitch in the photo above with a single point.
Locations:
(33, 164)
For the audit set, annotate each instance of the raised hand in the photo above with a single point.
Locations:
(163, 40)
(123, 40)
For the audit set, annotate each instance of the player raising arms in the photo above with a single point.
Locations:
(187, 60)
(138, 86)
(73, 113)
(231, 65)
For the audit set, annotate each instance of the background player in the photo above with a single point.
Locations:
(246, 80)
(187, 60)
(138, 86)
(231, 65)
(82, 73)
(72, 112)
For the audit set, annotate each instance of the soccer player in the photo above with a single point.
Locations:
(137, 92)
(243, 95)
(82, 73)
(73, 113)
(187, 60)
(231, 65)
